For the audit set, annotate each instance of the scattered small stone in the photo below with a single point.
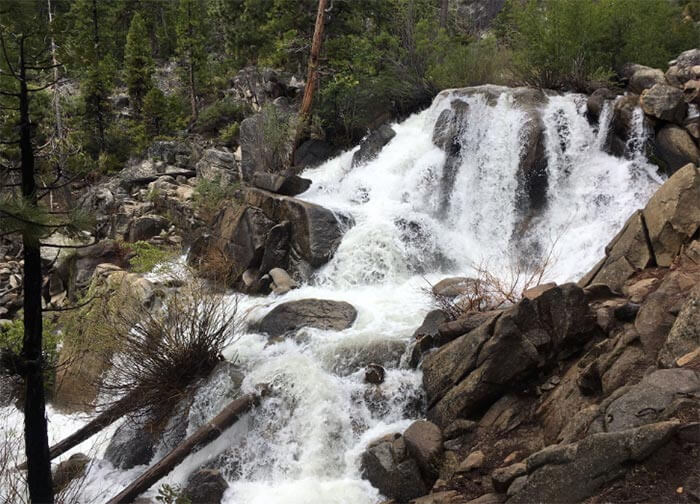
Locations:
(473, 461)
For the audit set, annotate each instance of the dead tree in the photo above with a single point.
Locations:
(204, 435)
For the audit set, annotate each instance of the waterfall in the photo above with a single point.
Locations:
(303, 444)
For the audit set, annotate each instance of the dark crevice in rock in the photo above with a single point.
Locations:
(647, 239)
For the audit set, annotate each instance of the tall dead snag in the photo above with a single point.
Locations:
(311, 77)
(204, 435)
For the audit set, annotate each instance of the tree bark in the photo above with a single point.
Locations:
(312, 75)
(204, 435)
(35, 429)
(444, 8)
(98, 57)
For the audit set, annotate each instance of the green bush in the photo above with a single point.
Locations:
(209, 195)
(148, 256)
(568, 43)
(229, 134)
(220, 114)
(12, 337)
(480, 62)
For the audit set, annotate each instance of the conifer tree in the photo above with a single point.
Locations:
(138, 62)
(88, 54)
(191, 39)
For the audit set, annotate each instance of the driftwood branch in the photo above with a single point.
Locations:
(204, 435)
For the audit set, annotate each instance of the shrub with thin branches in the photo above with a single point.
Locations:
(487, 290)
(160, 353)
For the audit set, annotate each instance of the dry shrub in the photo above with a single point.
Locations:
(219, 268)
(161, 352)
(13, 481)
(487, 291)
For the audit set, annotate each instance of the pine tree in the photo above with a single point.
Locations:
(191, 39)
(87, 51)
(138, 62)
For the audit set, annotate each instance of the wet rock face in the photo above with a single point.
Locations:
(206, 486)
(317, 313)
(131, 445)
(387, 465)
(373, 144)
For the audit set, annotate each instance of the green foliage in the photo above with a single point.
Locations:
(210, 195)
(171, 494)
(480, 62)
(138, 62)
(566, 43)
(220, 114)
(148, 257)
(192, 30)
(229, 134)
(12, 337)
(162, 114)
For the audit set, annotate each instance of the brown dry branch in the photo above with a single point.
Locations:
(487, 290)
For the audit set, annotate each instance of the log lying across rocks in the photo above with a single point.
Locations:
(101, 421)
(204, 435)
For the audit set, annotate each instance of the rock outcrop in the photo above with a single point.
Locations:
(655, 235)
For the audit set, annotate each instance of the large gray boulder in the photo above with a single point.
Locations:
(286, 184)
(133, 444)
(655, 235)
(218, 165)
(318, 313)
(424, 442)
(664, 102)
(205, 486)
(473, 371)
(685, 333)
(653, 399)
(316, 232)
(683, 68)
(672, 215)
(675, 148)
(644, 78)
(387, 465)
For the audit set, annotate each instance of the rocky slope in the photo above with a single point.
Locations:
(583, 392)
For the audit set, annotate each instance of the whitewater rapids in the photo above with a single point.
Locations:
(303, 445)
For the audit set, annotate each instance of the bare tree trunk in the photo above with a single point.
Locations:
(444, 7)
(35, 428)
(311, 79)
(204, 435)
(67, 196)
(101, 421)
(193, 90)
(312, 74)
(98, 104)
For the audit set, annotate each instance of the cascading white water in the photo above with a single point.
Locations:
(303, 444)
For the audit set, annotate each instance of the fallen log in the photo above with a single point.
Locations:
(104, 419)
(204, 435)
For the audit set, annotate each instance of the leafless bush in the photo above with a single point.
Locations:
(487, 290)
(160, 353)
